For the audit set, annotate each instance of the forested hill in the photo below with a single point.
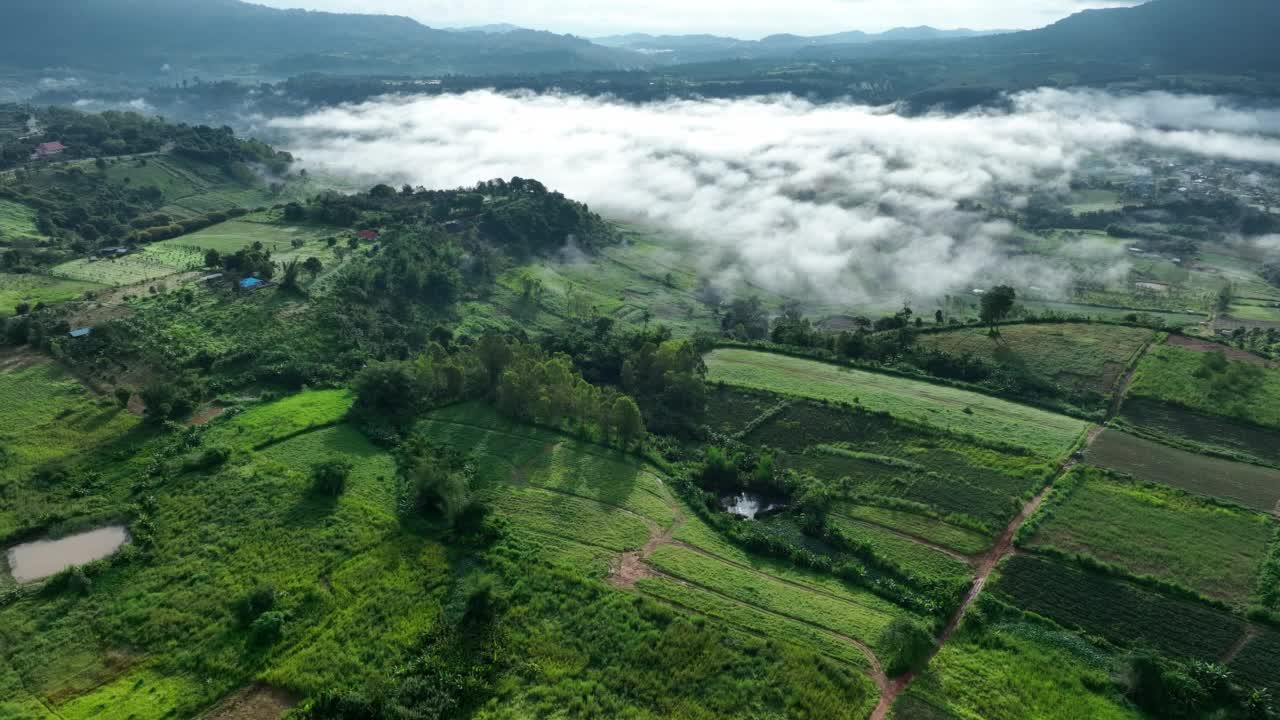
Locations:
(213, 35)
(1181, 35)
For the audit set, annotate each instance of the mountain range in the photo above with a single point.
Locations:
(236, 39)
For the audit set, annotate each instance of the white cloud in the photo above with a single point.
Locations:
(840, 202)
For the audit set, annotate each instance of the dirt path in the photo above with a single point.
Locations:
(1122, 386)
(1250, 632)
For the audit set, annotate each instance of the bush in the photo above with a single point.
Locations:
(329, 478)
(208, 459)
(252, 606)
(268, 628)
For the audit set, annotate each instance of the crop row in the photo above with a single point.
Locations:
(1117, 611)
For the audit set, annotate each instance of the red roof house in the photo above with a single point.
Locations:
(368, 234)
(44, 150)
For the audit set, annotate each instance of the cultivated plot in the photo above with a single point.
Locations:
(946, 408)
(1150, 530)
(1250, 485)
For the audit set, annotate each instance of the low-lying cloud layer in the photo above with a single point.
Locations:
(838, 202)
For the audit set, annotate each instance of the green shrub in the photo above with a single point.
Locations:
(268, 628)
(329, 478)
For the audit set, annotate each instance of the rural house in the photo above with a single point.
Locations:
(49, 149)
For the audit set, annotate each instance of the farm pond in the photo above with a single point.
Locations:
(40, 559)
(748, 505)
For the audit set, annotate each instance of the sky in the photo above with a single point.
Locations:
(749, 19)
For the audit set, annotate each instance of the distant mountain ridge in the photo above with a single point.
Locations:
(135, 35)
(701, 48)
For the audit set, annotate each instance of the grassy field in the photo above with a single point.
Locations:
(856, 614)
(1120, 612)
(264, 425)
(33, 289)
(17, 221)
(919, 563)
(1171, 375)
(1012, 672)
(1250, 485)
(945, 408)
(1148, 530)
(1089, 357)
(48, 416)
(936, 531)
(233, 235)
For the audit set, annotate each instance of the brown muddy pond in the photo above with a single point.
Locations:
(40, 559)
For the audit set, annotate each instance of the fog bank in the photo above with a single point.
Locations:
(844, 203)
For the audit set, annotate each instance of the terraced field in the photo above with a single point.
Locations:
(1085, 356)
(945, 408)
(1250, 485)
(17, 221)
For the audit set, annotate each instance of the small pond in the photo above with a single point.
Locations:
(749, 505)
(40, 559)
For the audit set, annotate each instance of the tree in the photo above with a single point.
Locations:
(123, 396)
(329, 478)
(996, 305)
(313, 266)
(212, 258)
(291, 269)
(906, 646)
(627, 420)
(438, 488)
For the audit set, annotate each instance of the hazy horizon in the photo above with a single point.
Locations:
(750, 19)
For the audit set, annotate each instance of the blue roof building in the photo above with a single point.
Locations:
(81, 332)
(251, 283)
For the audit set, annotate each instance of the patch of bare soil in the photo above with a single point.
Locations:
(205, 414)
(1198, 345)
(20, 359)
(255, 702)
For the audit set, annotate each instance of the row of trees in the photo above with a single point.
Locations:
(522, 380)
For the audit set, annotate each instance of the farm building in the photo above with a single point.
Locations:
(81, 332)
(209, 278)
(454, 226)
(49, 149)
(368, 234)
(251, 283)
(111, 252)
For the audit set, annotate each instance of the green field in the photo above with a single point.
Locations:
(859, 615)
(1089, 357)
(152, 264)
(16, 221)
(265, 425)
(1173, 375)
(233, 235)
(1120, 612)
(34, 289)
(966, 542)
(1012, 672)
(1250, 485)
(1147, 530)
(48, 417)
(945, 408)
(920, 564)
